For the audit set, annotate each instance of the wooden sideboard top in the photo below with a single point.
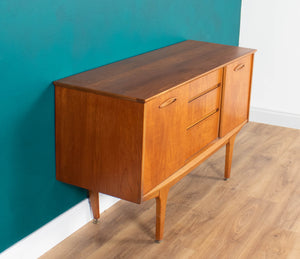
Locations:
(145, 76)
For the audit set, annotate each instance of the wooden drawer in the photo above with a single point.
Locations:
(202, 106)
(202, 134)
(205, 83)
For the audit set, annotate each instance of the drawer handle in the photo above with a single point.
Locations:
(167, 102)
(239, 67)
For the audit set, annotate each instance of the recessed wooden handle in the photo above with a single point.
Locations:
(167, 102)
(239, 67)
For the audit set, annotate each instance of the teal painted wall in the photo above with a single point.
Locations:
(41, 41)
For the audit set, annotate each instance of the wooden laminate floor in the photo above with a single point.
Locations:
(256, 214)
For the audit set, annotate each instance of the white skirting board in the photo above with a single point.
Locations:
(275, 118)
(49, 235)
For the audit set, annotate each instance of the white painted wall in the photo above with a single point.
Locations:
(273, 27)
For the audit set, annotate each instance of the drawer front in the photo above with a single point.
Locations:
(202, 134)
(202, 106)
(236, 94)
(205, 83)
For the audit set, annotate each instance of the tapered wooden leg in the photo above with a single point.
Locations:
(228, 159)
(161, 203)
(94, 202)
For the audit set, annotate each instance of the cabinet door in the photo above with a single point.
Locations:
(164, 142)
(236, 94)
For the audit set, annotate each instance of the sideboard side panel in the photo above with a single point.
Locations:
(99, 143)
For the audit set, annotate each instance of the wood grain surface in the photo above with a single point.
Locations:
(205, 83)
(203, 105)
(254, 215)
(165, 137)
(99, 143)
(201, 134)
(236, 94)
(145, 76)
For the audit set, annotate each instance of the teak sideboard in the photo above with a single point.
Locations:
(134, 128)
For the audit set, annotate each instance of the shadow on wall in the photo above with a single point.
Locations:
(35, 163)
